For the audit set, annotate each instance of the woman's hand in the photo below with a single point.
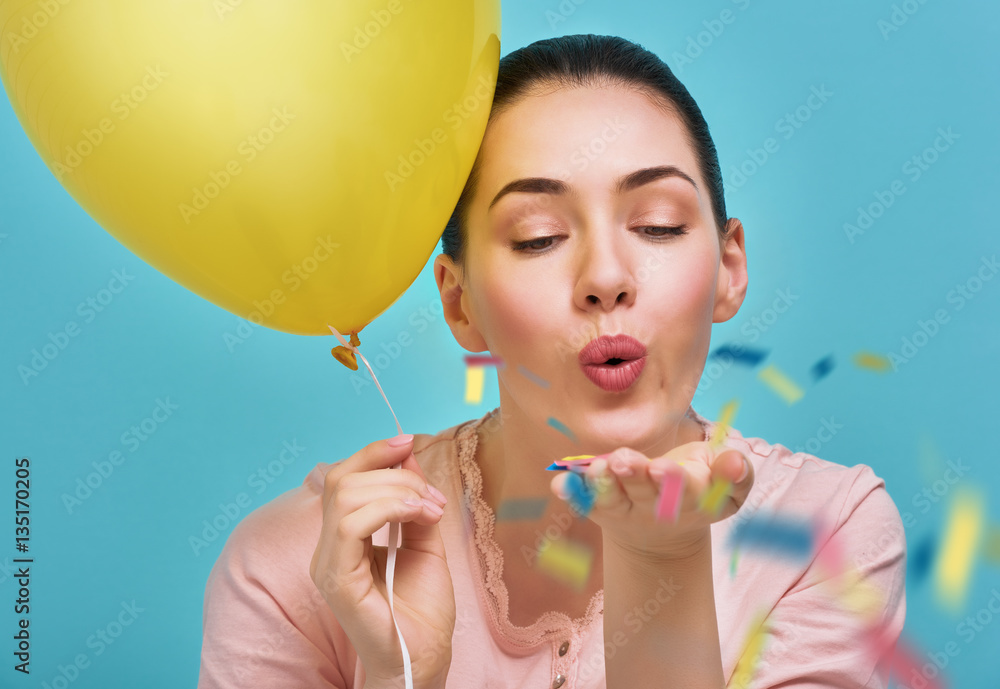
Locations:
(626, 486)
(362, 494)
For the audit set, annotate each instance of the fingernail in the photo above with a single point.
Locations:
(746, 470)
(621, 468)
(438, 495)
(433, 507)
(400, 440)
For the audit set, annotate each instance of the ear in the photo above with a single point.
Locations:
(731, 288)
(450, 280)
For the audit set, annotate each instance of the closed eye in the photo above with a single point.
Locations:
(542, 244)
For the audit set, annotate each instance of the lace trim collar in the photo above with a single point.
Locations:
(490, 555)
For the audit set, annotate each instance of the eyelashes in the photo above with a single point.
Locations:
(542, 244)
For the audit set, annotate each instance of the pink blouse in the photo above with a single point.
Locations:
(266, 624)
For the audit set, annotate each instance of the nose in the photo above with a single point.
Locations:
(605, 280)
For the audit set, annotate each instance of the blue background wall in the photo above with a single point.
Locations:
(891, 92)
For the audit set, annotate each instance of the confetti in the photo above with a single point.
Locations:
(540, 382)
(723, 424)
(566, 561)
(821, 369)
(923, 557)
(521, 509)
(474, 377)
(574, 459)
(872, 361)
(752, 651)
(781, 384)
(905, 661)
(671, 489)
(472, 360)
(993, 545)
(740, 354)
(963, 527)
(773, 533)
(558, 425)
(713, 497)
(580, 497)
(830, 551)
(732, 562)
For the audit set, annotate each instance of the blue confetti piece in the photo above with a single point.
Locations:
(923, 557)
(581, 498)
(559, 426)
(741, 355)
(774, 534)
(540, 382)
(555, 467)
(822, 368)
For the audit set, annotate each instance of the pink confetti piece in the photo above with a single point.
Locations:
(471, 360)
(669, 504)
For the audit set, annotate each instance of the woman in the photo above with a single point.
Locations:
(591, 252)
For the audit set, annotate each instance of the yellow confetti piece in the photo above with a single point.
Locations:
(566, 561)
(574, 458)
(992, 550)
(712, 499)
(963, 527)
(861, 597)
(752, 652)
(870, 360)
(474, 377)
(781, 384)
(725, 421)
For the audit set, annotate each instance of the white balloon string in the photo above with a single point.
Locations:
(390, 565)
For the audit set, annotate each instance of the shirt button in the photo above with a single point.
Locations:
(564, 648)
(558, 682)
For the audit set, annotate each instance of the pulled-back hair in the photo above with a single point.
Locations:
(594, 61)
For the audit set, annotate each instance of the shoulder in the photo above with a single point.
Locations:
(800, 482)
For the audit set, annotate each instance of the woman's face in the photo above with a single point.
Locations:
(566, 242)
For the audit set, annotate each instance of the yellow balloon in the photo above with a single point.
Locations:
(292, 161)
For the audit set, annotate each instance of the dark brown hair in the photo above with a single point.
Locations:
(591, 60)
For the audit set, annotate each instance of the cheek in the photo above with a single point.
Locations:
(511, 311)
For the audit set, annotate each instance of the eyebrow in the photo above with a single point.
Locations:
(633, 180)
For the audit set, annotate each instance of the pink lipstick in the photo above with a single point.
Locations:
(613, 362)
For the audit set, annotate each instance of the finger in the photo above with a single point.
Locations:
(403, 477)
(422, 535)
(380, 454)
(348, 500)
(733, 473)
(345, 544)
(609, 494)
(631, 468)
